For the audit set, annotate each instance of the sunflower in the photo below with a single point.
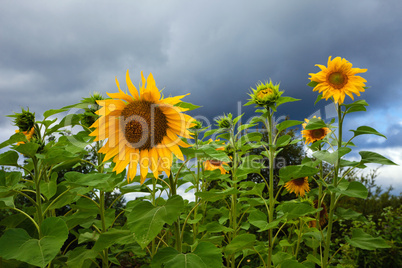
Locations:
(323, 215)
(142, 128)
(298, 186)
(28, 134)
(216, 164)
(338, 79)
(312, 135)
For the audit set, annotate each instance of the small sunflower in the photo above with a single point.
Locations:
(28, 134)
(216, 164)
(312, 135)
(338, 79)
(142, 128)
(323, 215)
(298, 186)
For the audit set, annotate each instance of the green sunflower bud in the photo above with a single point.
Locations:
(225, 121)
(197, 125)
(89, 116)
(265, 94)
(25, 120)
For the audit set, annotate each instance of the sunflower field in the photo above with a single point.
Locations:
(62, 192)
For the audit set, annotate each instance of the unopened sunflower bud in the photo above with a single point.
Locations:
(225, 121)
(25, 120)
(265, 94)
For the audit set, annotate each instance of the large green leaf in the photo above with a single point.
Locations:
(17, 137)
(28, 149)
(205, 255)
(331, 157)
(249, 137)
(260, 220)
(363, 240)
(17, 244)
(372, 157)
(286, 124)
(366, 130)
(293, 172)
(146, 221)
(9, 182)
(294, 210)
(354, 189)
(347, 214)
(49, 188)
(101, 181)
(9, 158)
(239, 243)
(113, 237)
(315, 123)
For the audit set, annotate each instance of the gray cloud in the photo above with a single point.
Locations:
(54, 53)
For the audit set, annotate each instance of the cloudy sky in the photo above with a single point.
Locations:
(53, 53)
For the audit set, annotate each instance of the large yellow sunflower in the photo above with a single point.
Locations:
(142, 128)
(338, 79)
(312, 135)
(298, 186)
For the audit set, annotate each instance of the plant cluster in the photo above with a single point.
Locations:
(144, 142)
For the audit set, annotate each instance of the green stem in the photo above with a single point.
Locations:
(37, 177)
(299, 238)
(29, 217)
(105, 262)
(234, 196)
(325, 260)
(177, 222)
(271, 187)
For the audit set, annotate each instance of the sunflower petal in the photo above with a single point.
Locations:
(133, 90)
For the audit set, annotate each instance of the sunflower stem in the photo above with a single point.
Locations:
(177, 222)
(105, 263)
(325, 260)
(234, 196)
(271, 186)
(37, 177)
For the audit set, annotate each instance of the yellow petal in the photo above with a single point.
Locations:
(133, 90)
(144, 165)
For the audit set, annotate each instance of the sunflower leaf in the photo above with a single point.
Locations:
(18, 244)
(187, 105)
(315, 123)
(286, 124)
(205, 255)
(372, 157)
(239, 243)
(17, 137)
(293, 172)
(366, 130)
(362, 240)
(282, 100)
(319, 97)
(9, 158)
(146, 220)
(313, 84)
(332, 157)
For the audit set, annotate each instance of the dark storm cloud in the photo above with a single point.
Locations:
(54, 53)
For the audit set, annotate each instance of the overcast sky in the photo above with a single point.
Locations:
(53, 53)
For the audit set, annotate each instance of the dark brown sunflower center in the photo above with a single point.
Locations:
(337, 80)
(216, 163)
(298, 182)
(144, 124)
(318, 133)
